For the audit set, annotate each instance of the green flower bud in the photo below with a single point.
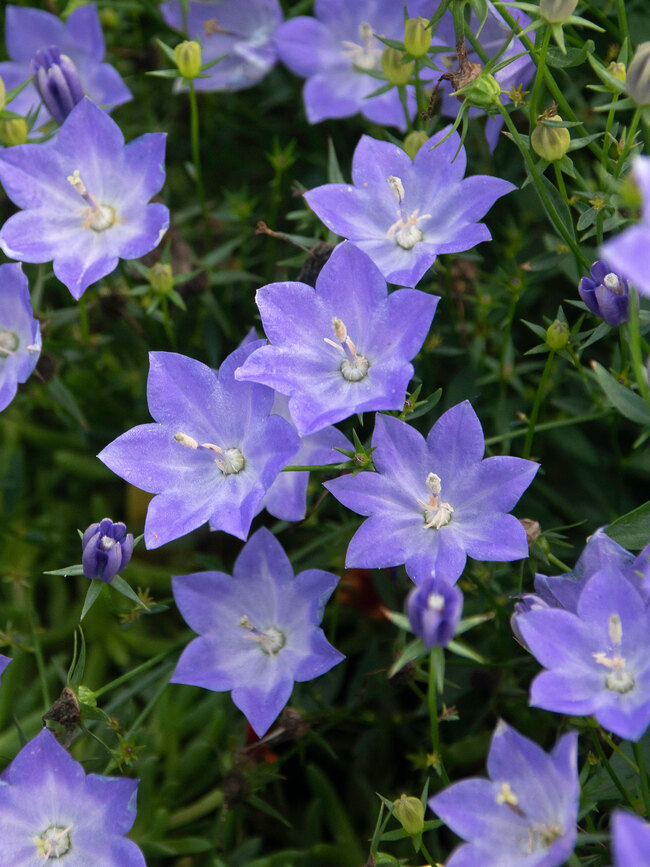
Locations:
(550, 143)
(410, 812)
(395, 71)
(557, 11)
(638, 75)
(417, 36)
(188, 58)
(557, 335)
(414, 141)
(3, 94)
(482, 93)
(160, 278)
(617, 70)
(14, 131)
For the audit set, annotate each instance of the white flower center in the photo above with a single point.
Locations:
(53, 843)
(96, 216)
(106, 543)
(619, 678)
(270, 640)
(364, 55)
(230, 461)
(8, 342)
(540, 836)
(404, 230)
(354, 367)
(613, 284)
(436, 514)
(436, 602)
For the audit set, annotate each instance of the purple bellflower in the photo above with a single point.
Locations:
(631, 840)
(286, 499)
(84, 198)
(78, 41)
(107, 549)
(240, 33)
(434, 608)
(51, 810)
(606, 294)
(524, 814)
(335, 50)
(20, 332)
(343, 347)
(4, 662)
(434, 502)
(629, 253)
(57, 82)
(258, 630)
(596, 660)
(402, 212)
(212, 453)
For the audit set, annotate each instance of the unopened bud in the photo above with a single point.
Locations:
(161, 278)
(550, 143)
(557, 335)
(557, 11)
(483, 92)
(57, 82)
(414, 141)
(395, 71)
(532, 528)
(13, 131)
(617, 70)
(410, 812)
(417, 36)
(188, 59)
(638, 75)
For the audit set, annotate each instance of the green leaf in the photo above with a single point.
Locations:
(119, 584)
(76, 670)
(399, 620)
(334, 173)
(632, 530)
(627, 402)
(462, 649)
(167, 50)
(413, 650)
(77, 569)
(94, 589)
(573, 57)
(480, 8)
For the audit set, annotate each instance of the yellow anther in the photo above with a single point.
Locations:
(507, 796)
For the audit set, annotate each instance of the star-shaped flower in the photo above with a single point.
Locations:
(434, 502)
(596, 660)
(629, 252)
(631, 840)
(51, 810)
(84, 197)
(213, 452)
(524, 814)
(343, 347)
(79, 38)
(20, 332)
(258, 630)
(402, 212)
(240, 33)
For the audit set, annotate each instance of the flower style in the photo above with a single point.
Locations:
(20, 332)
(404, 212)
(241, 33)
(213, 452)
(51, 810)
(629, 253)
(596, 660)
(79, 40)
(107, 549)
(606, 294)
(343, 347)
(84, 197)
(258, 630)
(524, 814)
(434, 502)
(434, 608)
(4, 662)
(286, 499)
(631, 840)
(335, 50)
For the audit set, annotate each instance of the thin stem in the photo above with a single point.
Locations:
(547, 425)
(40, 664)
(167, 322)
(539, 76)
(610, 770)
(539, 395)
(629, 140)
(196, 154)
(560, 182)
(643, 776)
(635, 347)
(557, 562)
(401, 89)
(622, 21)
(124, 678)
(608, 131)
(427, 854)
(419, 98)
(433, 717)
(205, 805)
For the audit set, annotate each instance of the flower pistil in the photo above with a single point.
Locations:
(436, 514)
(619, 678)
(354, 366)
(405, 230)
(96, 217)
(230, 461)
(270, 640)
(366, 55)
(54, 842)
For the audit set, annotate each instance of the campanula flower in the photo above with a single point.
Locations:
(240, 33)
(434, 608)
(343, 347)
(606, 294)
(107, 549)
(434, 502)
(403, 212)
(84, 197)
(258, 630)
(50, 810)
(596, 660)
(20, 332)
(79, 40)
(213, 450)
(628, 253)
(631, 840)
(524, 814)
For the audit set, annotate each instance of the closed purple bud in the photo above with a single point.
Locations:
(57, 81)
(107, 549)
(606, 294)
(525, 603)
(434, 608)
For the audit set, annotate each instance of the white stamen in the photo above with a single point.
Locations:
(184, 440)
(436, 514)
(96, 216)
(433, 484)
(54, 842)
(436, 602)
(230, 461)
(615, 630)
(613, 283)
(354, 366)
(270, 640)
(78, 184)
(106, 543)
(397, 187)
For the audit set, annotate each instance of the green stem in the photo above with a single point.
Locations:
(196, 154)
(547, 425)
(622, 21)
(427, 854)
(629, 140)
(560, 183)
(40, 664)
(205, 805)
(401, 89)
(150, 663)
(557, 562)
(643, 776)
(539, 395)
(83, 320)
(433, 717)
(539, 76)
(419, 98)
(610, 770)
(167, 323)
(635, 347)
(608, 131)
